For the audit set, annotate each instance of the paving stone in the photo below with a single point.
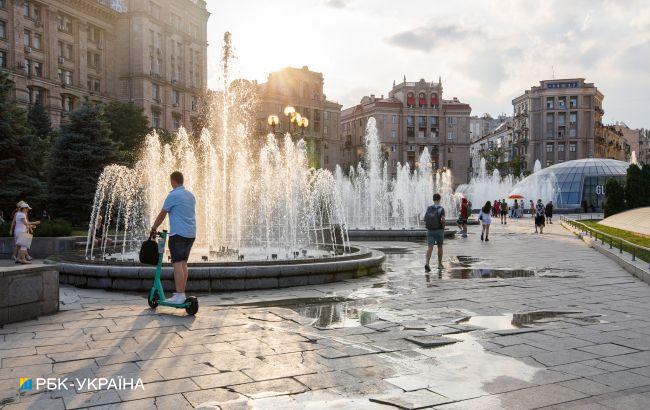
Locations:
(563, 357)
(521, 350)
(640, 359)
(417, 399)
(624, 379)
(89, 399)
(630, 402)
(211, 397)
(431, 341)
(269, 388)
(221, 379)
(587, 386)
(579, 369)
(510, 332)
(607, 349)
(159, 389)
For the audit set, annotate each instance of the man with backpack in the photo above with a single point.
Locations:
(434, 220)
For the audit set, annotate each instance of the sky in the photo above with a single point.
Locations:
(486, 52)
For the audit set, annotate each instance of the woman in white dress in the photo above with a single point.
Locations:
(22, 228)
(484, 217)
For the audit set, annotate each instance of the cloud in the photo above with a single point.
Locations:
(337, 4)
(427, 38)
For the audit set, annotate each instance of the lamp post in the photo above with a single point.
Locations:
(296, 120)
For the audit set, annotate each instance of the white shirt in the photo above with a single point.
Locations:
(21, 223)
(484, 218)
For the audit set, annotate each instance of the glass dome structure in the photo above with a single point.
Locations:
(581, 180)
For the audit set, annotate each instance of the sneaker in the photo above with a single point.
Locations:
(427, 268)
(176, 299)
(481, 236)
(487, 239)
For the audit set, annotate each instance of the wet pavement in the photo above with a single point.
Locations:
(524, 321)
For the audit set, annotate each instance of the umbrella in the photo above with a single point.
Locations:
(515, 196)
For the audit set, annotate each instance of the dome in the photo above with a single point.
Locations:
(579, 180)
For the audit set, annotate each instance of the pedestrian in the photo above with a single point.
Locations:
(463, 215)
(496, 209)
(22, 232)
(484, 217)
(504, 211)
(180, 204)
(100, 236)
(549, 212)
(539, 216)
(532, 209)
(515, 209)
(435, 223)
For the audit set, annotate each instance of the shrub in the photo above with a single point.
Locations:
(53, 228)
(4, 228)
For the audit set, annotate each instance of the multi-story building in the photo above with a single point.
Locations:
(557, 121)
(632, 136)
(643, 154)
(481, 126)
(302, 89)
(499, 140)
(611, 143)
(412, 117)
(67, 52)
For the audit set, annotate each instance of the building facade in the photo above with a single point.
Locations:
(302, 89)
(500, 139)
(481, 126)
(556, 121)
(64, 53)
(611, 143)
(412, 117)
(643, 154)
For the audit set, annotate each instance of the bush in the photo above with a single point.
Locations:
(615, 200)
(53, 228)
(4, 229)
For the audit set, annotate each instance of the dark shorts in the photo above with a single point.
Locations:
(180, 247)
(504, 213)
(435, 237)
(461, 221)
(539, 220)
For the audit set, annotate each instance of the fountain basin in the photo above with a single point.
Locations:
(224, 276)
(393, 234)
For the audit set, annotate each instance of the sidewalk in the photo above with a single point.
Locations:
(575, 334)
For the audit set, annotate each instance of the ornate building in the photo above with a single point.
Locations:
(67, 52)
(556, 121)
(412, 117)
(302, 89)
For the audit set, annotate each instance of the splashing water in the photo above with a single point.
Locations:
(258, 199)
(487, 187)
(373, 200)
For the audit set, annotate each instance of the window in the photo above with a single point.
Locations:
(561, 103)
(176, 122)
(155, 91)
(155, 119)
(394, 119)
(27, 38)
(393, 134)
(93, 84)
(393, 148)
(410, 120)
(572, 132)
(195, 104)
(433, 121)
(3, 29)
(65, 76)
(450, 120)
(573, 102)
(36, 69)
(94, 34)
(422, 100)
(549, 118)
(26, 8)
(422, 121)
(64, 23)
(450, 135)
(35, 95)
(325, 130)
(560, 147)
(3, 59)
(450, 163)
(3, 4)
(67, 103)
(65, 50)
(155, 10)
(176, 97)
(36, 41)
(573, 118)
(450, 149)
(550, 102)
(549, 147)
(572, 147)
(410, 100)
(326, 116)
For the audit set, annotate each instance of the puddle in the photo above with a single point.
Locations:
(517, 320)
(463, 260)
(483, 273)
(337, 315)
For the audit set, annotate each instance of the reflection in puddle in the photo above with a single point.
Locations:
(514, 320)
(336, 315)
(500, 322)
(479, 273)
(394, 250)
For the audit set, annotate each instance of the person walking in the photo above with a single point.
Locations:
(180, 204)
(539, 216)
(434, 219)
(463, 216)
(549, 212)
(496, 208)
(515, 209)
(484, 217)
(101, 237)
(532, 209)
(504, 211)
(22, 230)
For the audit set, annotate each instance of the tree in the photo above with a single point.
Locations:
(128, 126)
(18, 170)
(492, 158)
(634, 187)
(615, 201)
(79, 155)
(41, 129)
(645, 194)
(517, 166)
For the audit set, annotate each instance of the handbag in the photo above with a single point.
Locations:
(24, 240)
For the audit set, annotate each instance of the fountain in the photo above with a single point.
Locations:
(487, 187)
(261, 212)
(538, 185)
(373, 201)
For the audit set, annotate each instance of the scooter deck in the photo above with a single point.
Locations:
(174, 305)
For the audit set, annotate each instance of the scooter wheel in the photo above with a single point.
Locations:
(192, 305)
(153, 302)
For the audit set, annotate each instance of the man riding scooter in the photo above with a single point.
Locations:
(180, 205)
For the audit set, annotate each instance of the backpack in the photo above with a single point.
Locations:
(433, 217)
(149, 252)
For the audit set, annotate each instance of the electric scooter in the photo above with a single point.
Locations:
(157, 294)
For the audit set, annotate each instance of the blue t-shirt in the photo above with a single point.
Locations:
(180, 203)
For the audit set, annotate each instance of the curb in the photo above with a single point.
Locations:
(633, 267)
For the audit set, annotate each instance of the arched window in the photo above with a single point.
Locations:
(36, 95)
(434, 100)
(410, 100)
(422, 100)
(67, 102)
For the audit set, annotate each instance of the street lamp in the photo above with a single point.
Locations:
(296, 120)
(273, 121)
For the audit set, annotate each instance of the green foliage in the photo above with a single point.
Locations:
(53, 228)
(492, 158)
(645, 193)
(634, 187)
(615, 201)
(4, 229)
(79, 155)
(516, 166)
(19, 170)
(128, 126)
